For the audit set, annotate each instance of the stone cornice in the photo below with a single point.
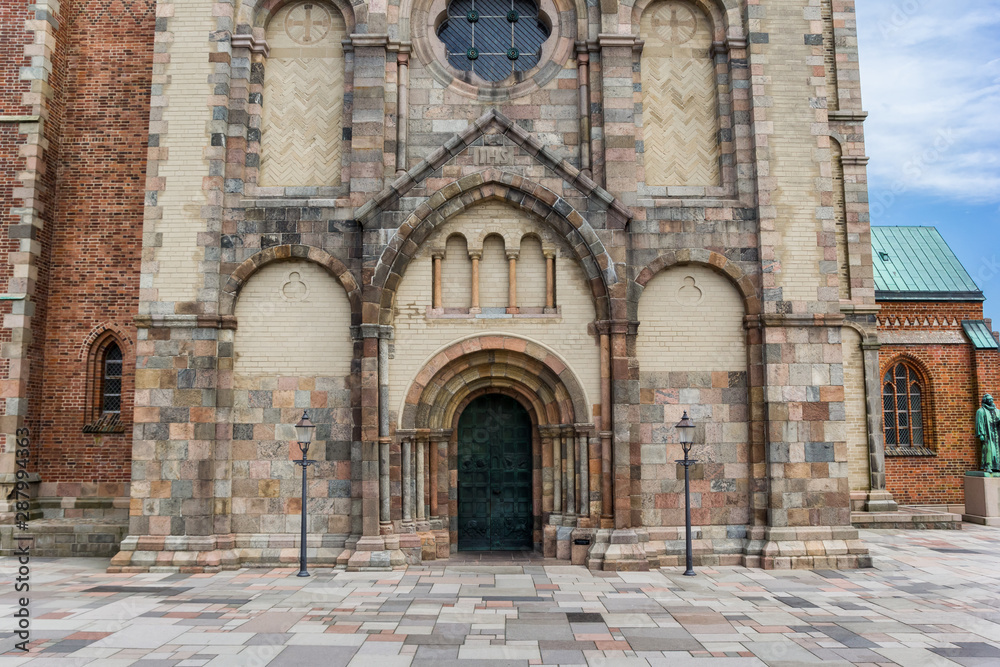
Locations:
(256, 45)
(799, 319)
(178, 321)
(847, 116)
(369, 40)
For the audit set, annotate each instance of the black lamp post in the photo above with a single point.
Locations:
(685, 431)
(304, 434)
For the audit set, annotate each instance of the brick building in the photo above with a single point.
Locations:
(494, 271)
(938, 357)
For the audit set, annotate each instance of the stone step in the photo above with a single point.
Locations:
(59, 538)
(908, 518)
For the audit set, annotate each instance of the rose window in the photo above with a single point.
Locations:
(493, 38)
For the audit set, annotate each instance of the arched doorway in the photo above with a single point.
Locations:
(494, 476)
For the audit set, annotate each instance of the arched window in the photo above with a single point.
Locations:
(901, 407)
(111, 380)
(103, 411)
(493, 38)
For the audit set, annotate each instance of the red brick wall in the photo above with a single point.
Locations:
(951, 397)
(103, 73)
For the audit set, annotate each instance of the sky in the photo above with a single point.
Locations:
(930, 81)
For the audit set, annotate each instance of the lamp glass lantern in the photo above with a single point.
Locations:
(685, 432)
(304, 432)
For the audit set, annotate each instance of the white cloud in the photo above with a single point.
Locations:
(930, 79)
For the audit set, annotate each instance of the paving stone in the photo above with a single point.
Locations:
(734, 615)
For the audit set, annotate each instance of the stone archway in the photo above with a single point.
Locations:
(563, 489)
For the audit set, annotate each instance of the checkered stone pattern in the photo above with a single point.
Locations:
(515, 610)
(720, 483)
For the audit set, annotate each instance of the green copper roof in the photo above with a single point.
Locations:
(980, 334)
(915, 264)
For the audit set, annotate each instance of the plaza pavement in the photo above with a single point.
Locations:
(933, 598)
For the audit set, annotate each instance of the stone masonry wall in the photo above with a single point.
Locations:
(692, 357)
(276, 377)
(210, 443)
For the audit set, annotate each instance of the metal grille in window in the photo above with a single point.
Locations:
(111, 386)
(493, 38)
(901, 410)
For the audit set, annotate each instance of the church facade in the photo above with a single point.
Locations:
(494, 249)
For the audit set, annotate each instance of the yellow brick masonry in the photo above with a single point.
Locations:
(293, 319)
(678, 334)
(530, 274)
(418, 338)
(456, 274)
(184, 138)
(494, 274)
(855, 412)
(794, 160)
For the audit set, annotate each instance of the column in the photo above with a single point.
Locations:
(437, 301)
(512, 283)
(384, 441)
(583, 82)
(422, 523)
(557, 476)
(375, 535)
(407, 485)
(475, 256)
(550, 281)
(545, 437)
(583, 463)
(385, 517)
(444, 485)
(569, 446)
(432, 465)
(607, 497)
(402, 106)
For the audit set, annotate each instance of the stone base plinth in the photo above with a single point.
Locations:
(982, 498)
(411, 546)
(624, 553)
(62, 538)
(581, 538)
(810, 547)
(176, 553)
(381, 552)
(442, 542)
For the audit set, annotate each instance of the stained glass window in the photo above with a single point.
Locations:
(493, 38)
(901, 409)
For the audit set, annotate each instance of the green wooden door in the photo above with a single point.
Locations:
(494, 476)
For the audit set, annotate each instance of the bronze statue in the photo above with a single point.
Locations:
(988, 433)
